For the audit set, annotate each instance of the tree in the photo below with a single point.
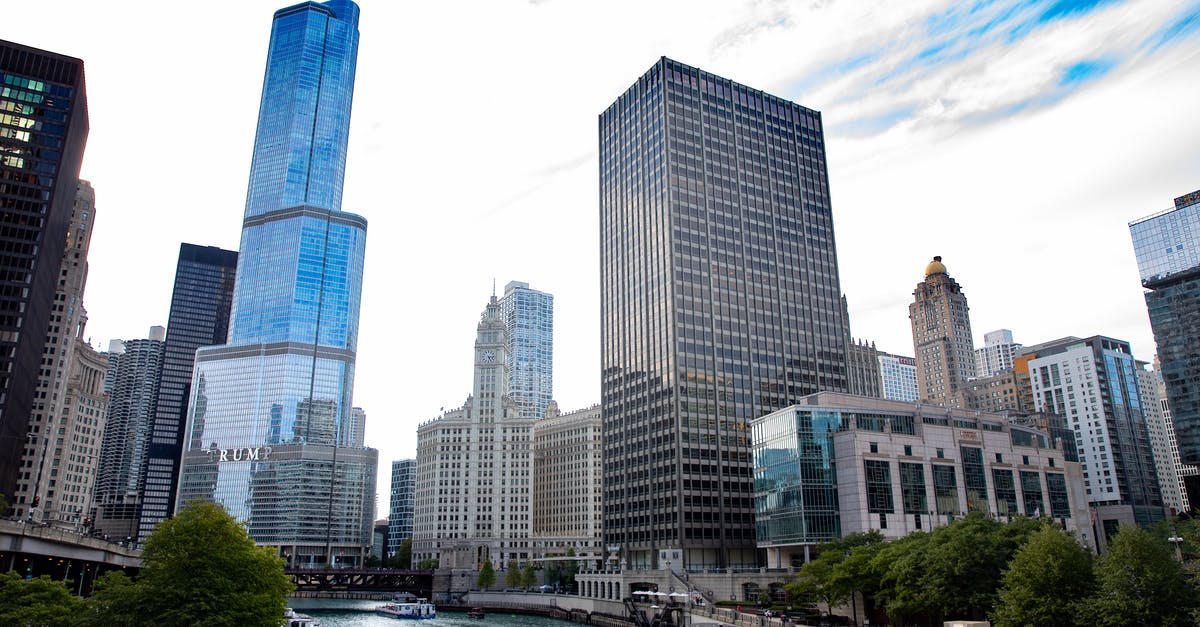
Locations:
(827, 578)
(487, 576)
(428, 564)
(512, 576)
(901, 570)
(1047, 580)
(551, 572)
(570, 569)
(528, 577)
(403, 556)
(40, 601)
(201, 567)
(1139, 582)
(965, 561)
(114, 599)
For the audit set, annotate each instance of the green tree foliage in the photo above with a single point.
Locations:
(1046, 582)
(901, 569)
(528, 577)
(551, 572)
(1139, 582)
(570, 569)
(200, 567)
(114, 597)
(487, 576)
(833, 576)
(964, 562)
(428, 564)
(41, 601)
(403, 556)
(512, 576)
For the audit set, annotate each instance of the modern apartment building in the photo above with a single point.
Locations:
(836, 464)
(941, 328)
(529, 323)
(1093, 383)
(402, 503)
(474, 495)
(199, 316)
(1167, 245)
(997, 353)
(720, 302)
(269, 409)
(898, 377)
(43, 130)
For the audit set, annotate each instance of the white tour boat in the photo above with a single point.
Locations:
(416, 610)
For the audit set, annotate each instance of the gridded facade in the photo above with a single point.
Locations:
(529, 321)
(898, 377)
(474, 497)
(997, 353)
(1093, 383)
(1167, 246)
(133, 375)
(1158, 429)
(862, 364)
(720, 302)
(837, 464)
(282, 384)
(941, 327)
(51, 418)
(199, 316)
(402, 503)
(43, 129)
(567, 482)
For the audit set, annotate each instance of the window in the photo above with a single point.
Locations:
(908, 449)
(941, 454)
(1031, 489)
(879, 486)
(1006, 492)
(874, 447)
(945, 489)
(912, 488)
(999, 458)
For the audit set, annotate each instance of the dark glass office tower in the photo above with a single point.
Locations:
(43, 129)
(269, 410)
(199, 317)
(1167, 245)
(720, 303)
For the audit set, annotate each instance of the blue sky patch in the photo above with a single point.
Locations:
(1084, 71)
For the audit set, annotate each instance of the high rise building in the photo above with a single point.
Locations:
(132, 381)
(1159, 430)
(402, 503)
(43, 129)
(63, 471)
(529, 321)
(1093, 383)
(199, 316)
(862, 365)
(1167, 245)
(567, 482)
(720, 302)
(941, 327)
(997, 353)
(268, 410)
(898, 377)
(474, 490)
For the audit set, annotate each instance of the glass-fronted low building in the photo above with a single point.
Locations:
(835, 464)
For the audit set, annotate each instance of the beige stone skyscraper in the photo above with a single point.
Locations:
(941, 327)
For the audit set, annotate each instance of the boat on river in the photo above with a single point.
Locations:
(419, 609)
(291, 618)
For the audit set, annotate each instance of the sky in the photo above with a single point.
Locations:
(1015, 139)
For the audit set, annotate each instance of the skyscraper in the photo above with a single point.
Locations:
(899, 377)
(134, 367)
(997, 353)
(1167, 245)
(941, 328)
(269, 408)
(720, 302)
(474, 496)
(401, 504)
(199, 316)
(1093, 383)
(43, 129)
(70, 393)
(529, 323)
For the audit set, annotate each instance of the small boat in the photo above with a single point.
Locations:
(291, 618)
(476, 612)
(415, 610)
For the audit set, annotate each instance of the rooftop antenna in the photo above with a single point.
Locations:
(493, 287)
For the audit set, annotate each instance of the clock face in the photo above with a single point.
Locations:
(487, 356)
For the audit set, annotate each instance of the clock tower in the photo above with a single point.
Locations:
(474, 492)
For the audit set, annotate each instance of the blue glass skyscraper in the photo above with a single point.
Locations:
(268, 408)
(529, 326)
